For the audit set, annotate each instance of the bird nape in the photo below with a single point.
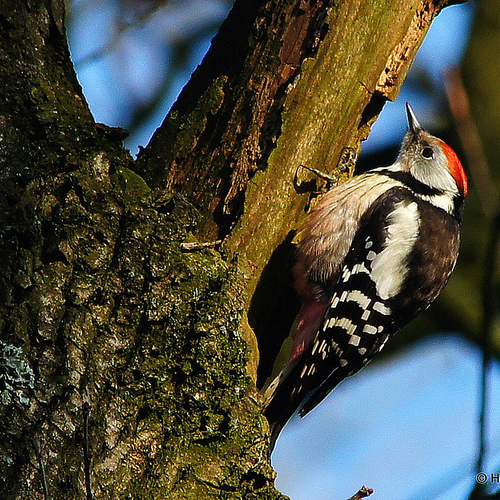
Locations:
(373, 253)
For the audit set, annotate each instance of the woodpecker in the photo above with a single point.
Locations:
(374, 253)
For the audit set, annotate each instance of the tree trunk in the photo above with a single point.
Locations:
(112, 337)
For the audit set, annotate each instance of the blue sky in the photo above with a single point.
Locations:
(121, 62)
(406, 426)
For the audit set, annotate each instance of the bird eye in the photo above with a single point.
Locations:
(427, 152)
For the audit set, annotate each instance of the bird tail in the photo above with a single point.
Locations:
(285, 396)
(281, 401)
(275, 431)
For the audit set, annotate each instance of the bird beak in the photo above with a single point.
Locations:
(412, 120)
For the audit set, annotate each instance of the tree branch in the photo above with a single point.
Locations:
(363, 492)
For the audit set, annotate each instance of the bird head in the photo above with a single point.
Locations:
(430, 160)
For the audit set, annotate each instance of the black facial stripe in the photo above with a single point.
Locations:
(458, 208)
(415, 185)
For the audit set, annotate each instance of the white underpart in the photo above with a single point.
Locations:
(389, 267)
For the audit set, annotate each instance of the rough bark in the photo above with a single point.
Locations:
(103, 317)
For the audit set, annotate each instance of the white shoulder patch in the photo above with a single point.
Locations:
(389, 267)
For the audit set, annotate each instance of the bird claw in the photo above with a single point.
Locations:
(348, 158)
